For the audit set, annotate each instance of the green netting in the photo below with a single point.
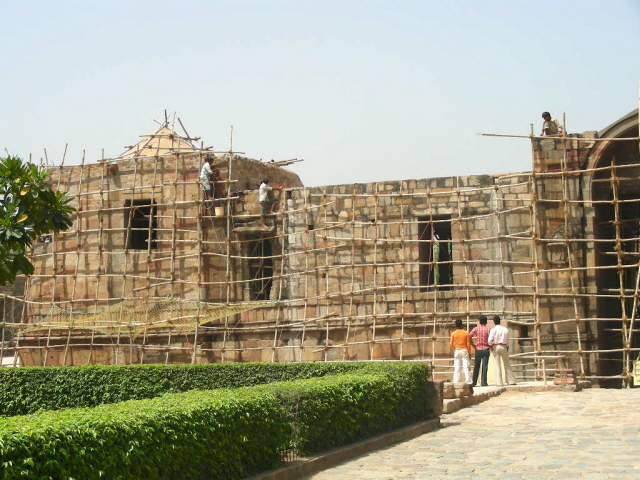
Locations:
(135, 316)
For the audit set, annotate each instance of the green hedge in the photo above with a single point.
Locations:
(196, 435)
(212, 434)
(340, 409)
(29, 389)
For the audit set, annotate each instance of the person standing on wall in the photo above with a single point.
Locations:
(481, 344)
(267, 202)
(499, 345)
(461, 346)
(550, 126)
(205, 178)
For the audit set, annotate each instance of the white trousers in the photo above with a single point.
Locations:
(461, 360)
(500, 355)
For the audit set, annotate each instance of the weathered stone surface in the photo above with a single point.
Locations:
(456, 390)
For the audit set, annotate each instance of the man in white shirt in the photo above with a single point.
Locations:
(266, 202)
(550, 126)
(499, 345)
(205, 178)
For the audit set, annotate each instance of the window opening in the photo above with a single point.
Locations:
(435, 252)
(141, 216)
(260, 269)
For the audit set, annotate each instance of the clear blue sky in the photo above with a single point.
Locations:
(362, 90)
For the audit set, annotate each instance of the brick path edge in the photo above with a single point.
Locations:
(338, 455)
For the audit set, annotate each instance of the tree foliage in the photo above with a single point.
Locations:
(29, 208)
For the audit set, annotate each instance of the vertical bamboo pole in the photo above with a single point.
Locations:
(566, 211)
(153, 213)
(229, 270)
(55, 268)
(375, 273)
(23, 318)
(280, 312)
(200, 233)
(306, 272)
(500, 240)
(434, 310)
(75, 273)
(326, 274)
(628, 341)
(621, 273)
(126, 252)
(535, 239)
(403, 280)
(101, 259)
(498, 220)
(463, 253)
(174, 227)
(345, 351)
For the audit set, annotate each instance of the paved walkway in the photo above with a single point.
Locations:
(593, 434)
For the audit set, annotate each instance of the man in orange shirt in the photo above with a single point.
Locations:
(461, 346)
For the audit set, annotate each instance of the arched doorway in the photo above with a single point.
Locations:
(616, 195)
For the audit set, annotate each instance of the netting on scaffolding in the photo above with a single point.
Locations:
(136, 316)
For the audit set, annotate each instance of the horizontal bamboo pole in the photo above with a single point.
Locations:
(562, 137)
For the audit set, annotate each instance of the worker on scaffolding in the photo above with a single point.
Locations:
(267, 200)
(550, 126)
(206, 174)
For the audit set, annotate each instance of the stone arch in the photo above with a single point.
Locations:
(624, 127)
(615, 223)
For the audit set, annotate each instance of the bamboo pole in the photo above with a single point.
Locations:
(353, 272)
(567, 244)
(539, 362)
(403, 279)
(74, 279)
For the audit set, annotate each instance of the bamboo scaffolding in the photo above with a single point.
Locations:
(347, 281)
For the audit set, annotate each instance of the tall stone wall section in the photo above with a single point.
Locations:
(93, 265)
(565, 276)
(351, 281)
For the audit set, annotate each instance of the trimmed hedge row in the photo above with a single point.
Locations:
(29, 389)
(337, 410)
(225, 434)
(194, 435)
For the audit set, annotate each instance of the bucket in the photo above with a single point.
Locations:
(219, 211)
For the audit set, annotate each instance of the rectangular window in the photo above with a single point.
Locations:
(142, 224)
(260, 269)
(435, 252)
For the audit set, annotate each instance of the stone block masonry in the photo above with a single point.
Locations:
(375, 271)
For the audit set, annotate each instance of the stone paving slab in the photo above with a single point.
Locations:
(480, 394)
(592, 434)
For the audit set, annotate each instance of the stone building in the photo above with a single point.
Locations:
(374, 271)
